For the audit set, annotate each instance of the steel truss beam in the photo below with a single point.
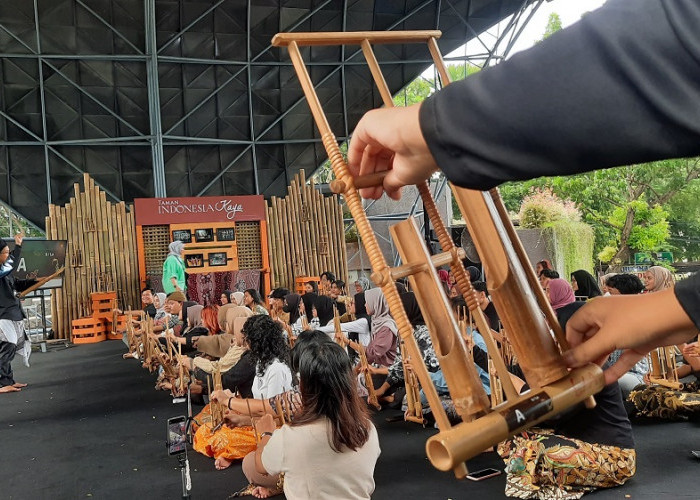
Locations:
(109, 112)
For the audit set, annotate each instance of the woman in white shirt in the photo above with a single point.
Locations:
(357, 330)
(330, 448)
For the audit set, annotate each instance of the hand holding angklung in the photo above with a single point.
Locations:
(628, 322)
(390, 139)
(265, 424)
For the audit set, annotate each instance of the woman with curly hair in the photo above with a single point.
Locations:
(270, 354)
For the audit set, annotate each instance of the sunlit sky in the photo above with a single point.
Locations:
(569, 12)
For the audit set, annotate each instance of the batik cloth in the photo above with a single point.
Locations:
(657, 401)
(542, 465)
(229, 443)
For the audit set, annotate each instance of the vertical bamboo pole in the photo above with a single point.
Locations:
(279, 243)
(286, 238)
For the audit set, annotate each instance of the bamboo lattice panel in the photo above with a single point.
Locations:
(249, 246)
(155, 242)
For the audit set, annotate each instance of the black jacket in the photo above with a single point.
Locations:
(583, 99)
(10, 305)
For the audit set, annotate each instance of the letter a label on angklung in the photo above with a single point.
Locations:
(526, 411)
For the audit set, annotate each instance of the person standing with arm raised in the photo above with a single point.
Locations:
(13, 338)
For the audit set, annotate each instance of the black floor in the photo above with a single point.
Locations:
(91, 426)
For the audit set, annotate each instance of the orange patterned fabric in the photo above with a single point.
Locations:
(230, 443)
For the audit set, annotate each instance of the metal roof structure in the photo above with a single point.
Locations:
(188, 98)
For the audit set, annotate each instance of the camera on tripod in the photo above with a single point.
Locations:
(177, 435)
(177, 445)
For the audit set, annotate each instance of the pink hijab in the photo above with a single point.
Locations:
(560, 293)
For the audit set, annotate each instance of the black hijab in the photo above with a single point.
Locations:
(587, 286)
(410, 304)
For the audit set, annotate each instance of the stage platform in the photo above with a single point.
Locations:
(90, 425)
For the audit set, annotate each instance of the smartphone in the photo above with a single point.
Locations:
(482, 474)
(177, 435)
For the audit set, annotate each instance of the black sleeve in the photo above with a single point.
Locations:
(622, 86)
(150, 309)
(240, 376)
(480, 358)
(16, 252)
(688, 294)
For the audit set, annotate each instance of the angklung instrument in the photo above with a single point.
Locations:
(515, 291)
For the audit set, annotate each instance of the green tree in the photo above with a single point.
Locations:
(629, 207)
(553, 25)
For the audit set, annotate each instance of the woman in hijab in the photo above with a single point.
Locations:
(362, 284)
(237, 298)
(561, 296)
(584, 284)
(159, 303)
(174, 278)
(356, 330)
(382, 348)
(395, 373)
(657, 278)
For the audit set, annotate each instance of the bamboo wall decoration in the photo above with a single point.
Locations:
(306, 234)
(100, 254)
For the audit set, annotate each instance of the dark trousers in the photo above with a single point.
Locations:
(7, 354)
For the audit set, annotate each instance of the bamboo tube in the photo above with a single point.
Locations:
(275, 241)
(65, 309)
(300, 235)
(270, 246)
(279, 243)
(117, 232)
(297, 248)
(286, 239)
(132, 269)
(310, 226)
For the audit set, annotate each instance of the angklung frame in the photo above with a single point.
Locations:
(524, 310)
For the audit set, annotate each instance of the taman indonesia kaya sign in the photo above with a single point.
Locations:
(157, 211)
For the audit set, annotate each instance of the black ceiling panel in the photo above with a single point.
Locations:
(81, 92)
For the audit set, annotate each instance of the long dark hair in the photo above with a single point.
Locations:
(329, 389)
(266, 341)
(309, 299)
(292, 307)
(324, 309)
(256, 296)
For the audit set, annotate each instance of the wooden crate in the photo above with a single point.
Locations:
(88, 330)
(103, 303)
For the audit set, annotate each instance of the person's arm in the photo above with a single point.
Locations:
(583, 99)
(634, 323)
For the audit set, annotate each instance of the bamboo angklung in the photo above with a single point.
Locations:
(553, 387)
(663, 367)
